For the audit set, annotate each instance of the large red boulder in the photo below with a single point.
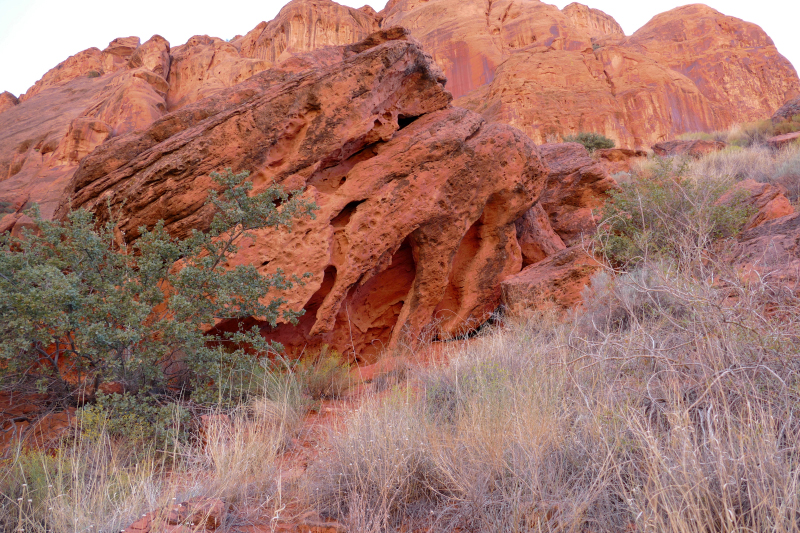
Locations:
(555, 284)
(418, 200)
(577, 187)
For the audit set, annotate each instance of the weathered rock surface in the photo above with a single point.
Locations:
(690, 69)
(768, 201)
(781, 141)
(625, 95)
(536, 236)
(616, 160)
(27, 419)
(734, 63)
(787, 111)
(551, 233)
(773, 249)
(469, 39)
(693, 149)
(556, 283)
(576, 187)
(305, 26)
(68, 113)
(418, 200)
(592, 22)
(7, 101)
(198, 514)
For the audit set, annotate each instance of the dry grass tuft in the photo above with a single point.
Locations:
(98, 483)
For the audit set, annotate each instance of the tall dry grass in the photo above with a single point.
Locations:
(670, 402)
(661, 408)
(97, 483)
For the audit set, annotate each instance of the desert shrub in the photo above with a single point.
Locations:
(736, 164)
(752, 133)
(697, 136)
(112, 472)
(787, 173)
(592, 141)
(80, 307)
(86, 486)
(667, 214)
(681, 419)
(136, 420)
(93, 74)
(324, 376)
(787, 126)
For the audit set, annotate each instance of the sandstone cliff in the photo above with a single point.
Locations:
(690, 69)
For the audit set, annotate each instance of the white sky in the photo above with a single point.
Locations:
(36, 35)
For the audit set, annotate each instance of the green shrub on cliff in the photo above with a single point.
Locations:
(592, 141)
(81, 307)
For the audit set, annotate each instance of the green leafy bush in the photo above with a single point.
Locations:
(669, 215)
(81, 307)
(137, 419)
(592, 141)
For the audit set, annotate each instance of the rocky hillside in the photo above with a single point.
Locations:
(425, 206)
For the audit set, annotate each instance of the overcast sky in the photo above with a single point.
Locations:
(36, 35)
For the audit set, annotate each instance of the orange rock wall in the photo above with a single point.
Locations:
(469, 39)
(690, 69)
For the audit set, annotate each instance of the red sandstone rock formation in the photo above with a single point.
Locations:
(690, 69)
(577, 186)
(592, 22)
(304, 26)
(148, 122)
(557, 283)
(786, 112)
(98, 95)
(552, 232)
(773, 250)
(733, 63)
(469, 39)
(7, 101)
(768, 201)
(688, 148)
(616, 160)
(781, 141)
(418, 200)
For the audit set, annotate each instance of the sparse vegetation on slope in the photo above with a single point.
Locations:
(667, 403)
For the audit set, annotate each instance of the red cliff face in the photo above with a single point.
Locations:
(469, 39)
(306, 25)
(690, 69)
(592, 22)
(733, 63)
